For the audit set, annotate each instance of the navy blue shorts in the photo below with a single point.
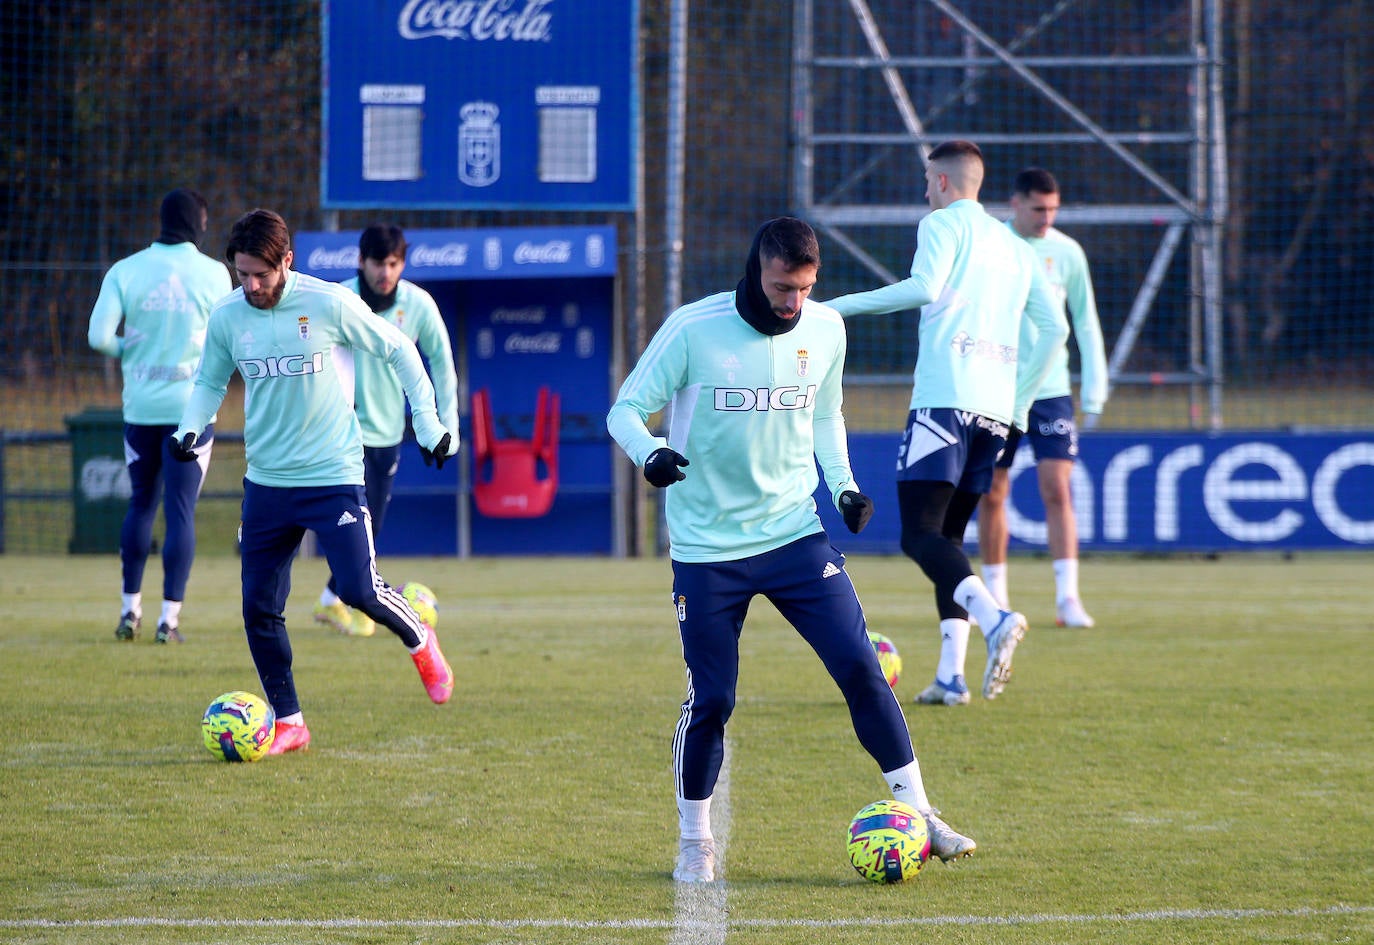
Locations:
(1052, 433)
(942, 444)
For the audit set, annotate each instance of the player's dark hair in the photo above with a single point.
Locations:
(382, 241)
(260, 233)
(955, 148)
(1035, 180)
(791, 240)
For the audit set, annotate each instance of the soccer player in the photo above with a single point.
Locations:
(1052, 434)
(976, 372)
(304, 450)
(377, 391)
(163, 295)
(754, 380)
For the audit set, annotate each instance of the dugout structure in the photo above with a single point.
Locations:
(877, 83)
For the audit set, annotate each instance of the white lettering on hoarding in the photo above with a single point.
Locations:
(524, 21)
(1221, 489)
(345, 257)
(450, 254)
(1324, 501)
(552, 252)
(529, 315)
(1251, 472)
(544, 342)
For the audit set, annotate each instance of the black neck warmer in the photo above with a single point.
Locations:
(181, 211)
(753, 306)
(378, 303)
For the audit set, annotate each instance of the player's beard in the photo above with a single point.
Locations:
(270, 299)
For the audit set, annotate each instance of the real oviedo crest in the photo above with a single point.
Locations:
(479, 144)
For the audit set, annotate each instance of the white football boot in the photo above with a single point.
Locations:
(1070, 613)
(696, 861)
(1002, 643)
(944, 842)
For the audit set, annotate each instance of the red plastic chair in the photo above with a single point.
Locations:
(515, 478)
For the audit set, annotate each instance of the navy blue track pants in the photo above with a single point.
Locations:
(807, 583)
(274, 522)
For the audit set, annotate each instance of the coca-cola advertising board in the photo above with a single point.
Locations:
(526, 307)
(479, 104)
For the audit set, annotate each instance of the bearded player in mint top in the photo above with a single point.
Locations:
(304, 450)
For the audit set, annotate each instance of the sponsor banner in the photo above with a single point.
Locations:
(1162, 492)
(501, 253)
(495, 104)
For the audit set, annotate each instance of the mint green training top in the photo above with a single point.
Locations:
(975, 282)
(1066, 266)
(752, 413)
(299, 424)
(163, 295)
(377, 391)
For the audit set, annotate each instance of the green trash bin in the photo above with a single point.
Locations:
(100, 480)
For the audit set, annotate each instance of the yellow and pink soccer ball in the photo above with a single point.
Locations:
(423, 601)
(888, 657)
(888, 842)
(238, 726)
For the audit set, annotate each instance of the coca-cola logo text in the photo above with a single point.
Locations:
(525, 21)
(345, 257)
(544, 342)
(450, 254)
(554, 251)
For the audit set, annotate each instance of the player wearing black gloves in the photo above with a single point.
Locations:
(754, 377)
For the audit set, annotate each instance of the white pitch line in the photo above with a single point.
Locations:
(1152, 915)
(699, 913)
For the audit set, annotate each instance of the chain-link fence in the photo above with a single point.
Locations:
(1216, 161)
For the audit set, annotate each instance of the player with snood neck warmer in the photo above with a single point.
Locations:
(753, 378)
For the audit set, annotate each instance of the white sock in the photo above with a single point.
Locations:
(1065, 579)
(953, 648)
(973, 595)
(995, 577)
(131, 604)
(328, 598)
(906, 785)
(694, 819)
(295, 718)
(171, 613)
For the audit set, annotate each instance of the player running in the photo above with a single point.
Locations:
(973, 279)
(754, 380)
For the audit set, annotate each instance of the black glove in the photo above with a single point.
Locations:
(661, 468)
(857, 509)
(183, 450)
(436, 456)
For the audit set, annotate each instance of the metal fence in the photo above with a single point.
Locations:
(1216, 162)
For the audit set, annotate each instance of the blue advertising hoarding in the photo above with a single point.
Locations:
(526, 307)
(1166, 492)
(480, 104)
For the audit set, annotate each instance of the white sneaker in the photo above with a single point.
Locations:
(1001, 645)
(696, 861)
(1070, 613)
(944, 842)
(954, 692)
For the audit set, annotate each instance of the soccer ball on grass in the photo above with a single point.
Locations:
(238, 726)
(423, 601)
(888, 842)
(888, 657)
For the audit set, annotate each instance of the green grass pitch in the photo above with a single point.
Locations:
(1198, 768)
